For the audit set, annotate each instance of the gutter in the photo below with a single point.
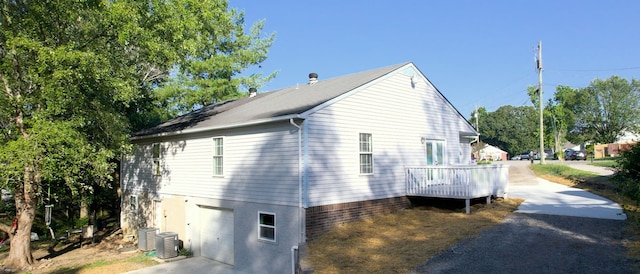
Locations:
(204, 129)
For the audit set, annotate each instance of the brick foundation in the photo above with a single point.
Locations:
(321, 219)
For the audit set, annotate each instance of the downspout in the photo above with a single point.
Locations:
(300, 205)
(294, 255)
(294, 249)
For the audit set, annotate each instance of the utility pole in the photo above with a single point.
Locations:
(539, 67)
(475, 113)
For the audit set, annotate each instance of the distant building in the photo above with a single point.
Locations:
(623, 143)
(492, 153)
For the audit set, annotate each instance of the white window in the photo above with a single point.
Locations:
(434, 150)
(133, 203)
(366, 153)
(218, 156)
(156, 159)
(267, 226)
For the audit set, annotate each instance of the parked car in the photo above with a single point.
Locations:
(524, 156)
(516, 157)
(548, 154)
(572, 155)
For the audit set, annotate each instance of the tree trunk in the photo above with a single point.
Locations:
(84, 209)
(26, 201)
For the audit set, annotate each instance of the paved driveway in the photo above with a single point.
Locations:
(193, 265)
(557, 229)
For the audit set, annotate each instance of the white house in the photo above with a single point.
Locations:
(627, 137)
(246, 181)
(492, 153)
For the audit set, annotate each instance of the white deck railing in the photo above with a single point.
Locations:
(459, 182)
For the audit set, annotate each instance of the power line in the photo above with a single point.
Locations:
(588, 70)
(508, 96)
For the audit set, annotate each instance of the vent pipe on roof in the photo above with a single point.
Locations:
(253, 92)
(313, 78)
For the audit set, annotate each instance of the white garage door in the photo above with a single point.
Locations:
(216, 234)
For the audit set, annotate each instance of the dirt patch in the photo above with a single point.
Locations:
(399, 242)
(110, 252)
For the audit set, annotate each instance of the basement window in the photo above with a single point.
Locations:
(267, 226)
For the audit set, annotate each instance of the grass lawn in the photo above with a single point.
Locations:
(605, 163)
(108, 266)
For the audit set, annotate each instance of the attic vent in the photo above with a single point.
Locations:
(313, 78)
(253, 92)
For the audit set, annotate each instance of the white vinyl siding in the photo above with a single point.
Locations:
(260, 165)
(399, 116)
(138, 170)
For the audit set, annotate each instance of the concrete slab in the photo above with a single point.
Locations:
(193, 265)
(546, 197)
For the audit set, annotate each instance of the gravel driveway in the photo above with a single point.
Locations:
(552, 242)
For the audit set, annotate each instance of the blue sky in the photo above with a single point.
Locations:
(477, 53)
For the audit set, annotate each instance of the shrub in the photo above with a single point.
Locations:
(80, 222)
(185, 252)
(628, 172)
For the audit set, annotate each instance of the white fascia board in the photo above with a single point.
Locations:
(468, 134)
(228, 126)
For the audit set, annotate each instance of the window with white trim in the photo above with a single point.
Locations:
(267, 226)
(218, 160)
(156, 159)
(133, 203)
(366, 153)
(434, 150)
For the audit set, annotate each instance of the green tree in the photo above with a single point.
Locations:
(560, 120)
(604, 110)
(218, 51)
(64, 85)
(509, 128)
(478, 115)
(77, 76)
(627, 175)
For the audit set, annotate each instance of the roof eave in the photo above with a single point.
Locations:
(218, 127)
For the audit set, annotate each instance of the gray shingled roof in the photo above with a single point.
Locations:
(267, 106)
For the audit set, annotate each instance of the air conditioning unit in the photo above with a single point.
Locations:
(167, 245)
(146, 238)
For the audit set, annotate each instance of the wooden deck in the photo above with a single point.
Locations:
(458, 181)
